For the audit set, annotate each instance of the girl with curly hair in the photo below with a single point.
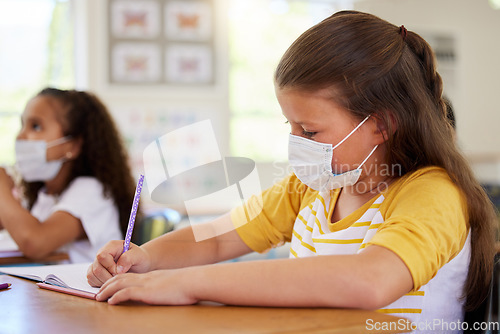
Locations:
(76, 180)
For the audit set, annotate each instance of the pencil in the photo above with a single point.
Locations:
(133, 213)
(4, 286)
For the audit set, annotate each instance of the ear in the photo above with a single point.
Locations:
(384, 126)
(75, 148)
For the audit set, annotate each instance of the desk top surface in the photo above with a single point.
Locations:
(10, 254)
(27, 309)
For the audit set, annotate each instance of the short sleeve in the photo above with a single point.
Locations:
(84, 199)
(274, 214)
(425, 223)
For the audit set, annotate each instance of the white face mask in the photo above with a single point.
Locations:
(312, 163)
(31, 159)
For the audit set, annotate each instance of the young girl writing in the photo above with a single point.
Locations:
(77, 184)
(382, 211)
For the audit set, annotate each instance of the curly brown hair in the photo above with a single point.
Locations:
(376, 68)
(103, 154)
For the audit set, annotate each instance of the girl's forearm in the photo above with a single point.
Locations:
(275, 283)
(179, 249)
(16, 219)
(320, 281)
(21, 225)
(34, 238)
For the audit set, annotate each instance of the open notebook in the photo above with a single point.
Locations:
(66, 278)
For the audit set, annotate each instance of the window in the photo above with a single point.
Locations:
(36, 43)
(260, 32)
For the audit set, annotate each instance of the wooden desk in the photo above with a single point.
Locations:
(17, 257)
(10, 254)
(24, 308)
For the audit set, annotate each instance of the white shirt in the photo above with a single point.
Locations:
(441, 311)
(83, 199)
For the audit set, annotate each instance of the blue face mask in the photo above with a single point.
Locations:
(311, 162)
(31, 159)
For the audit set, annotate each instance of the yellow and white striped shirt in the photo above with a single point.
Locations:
(421, 217)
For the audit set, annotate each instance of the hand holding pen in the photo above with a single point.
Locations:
(118, 257)
(110, 261)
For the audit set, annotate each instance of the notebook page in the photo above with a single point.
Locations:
(70, 276)
(67, 275)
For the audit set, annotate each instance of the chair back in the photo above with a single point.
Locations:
(154, 224)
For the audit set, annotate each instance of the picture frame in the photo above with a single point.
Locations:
(188, 63)
(161, 42)
(135, 19)
(136, 62)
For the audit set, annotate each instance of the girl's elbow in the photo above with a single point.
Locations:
(361, 296)
(32, 248)
(30, 251)
(381, 298)
(373, 296)
(374, 300)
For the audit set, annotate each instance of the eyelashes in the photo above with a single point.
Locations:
(308, 134)
(35, 126)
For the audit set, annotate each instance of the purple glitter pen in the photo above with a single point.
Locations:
(133, 213)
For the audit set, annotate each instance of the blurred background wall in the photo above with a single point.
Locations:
(162, 64)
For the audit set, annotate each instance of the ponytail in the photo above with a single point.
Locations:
(422, 50)
(374, 67)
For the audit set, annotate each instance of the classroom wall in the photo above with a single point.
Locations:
(475, 78)
(472, 25)
(471, 80)
(147, 111)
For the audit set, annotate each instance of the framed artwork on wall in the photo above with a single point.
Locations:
(188, 63)
(188, 21)
(135, 19)
(161, 42)
(136, 62)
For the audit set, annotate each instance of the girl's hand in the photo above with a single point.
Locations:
(160, 287)
(6, 182)
(110, 262)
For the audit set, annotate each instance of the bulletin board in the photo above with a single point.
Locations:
(140, 125)
(161, 42)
